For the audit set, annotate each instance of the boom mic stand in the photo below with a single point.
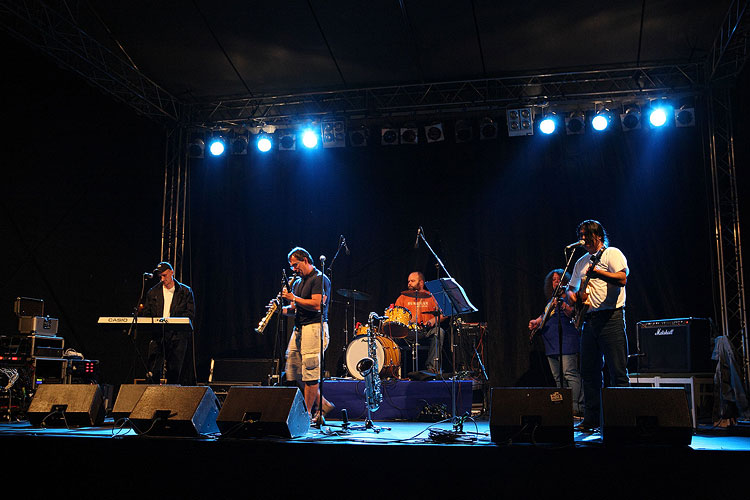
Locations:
(133, 329)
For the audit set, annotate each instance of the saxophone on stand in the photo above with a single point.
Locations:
(369, 369)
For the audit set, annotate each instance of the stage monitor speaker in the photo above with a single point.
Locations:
(646, 415)
(240, 371)
(680, 345)
(127, 397)
(531, 415)
(66, 405)
(263, 411)
(173, 410)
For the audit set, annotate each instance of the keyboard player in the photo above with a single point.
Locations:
(170, 299)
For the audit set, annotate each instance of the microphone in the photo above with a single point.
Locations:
(416, 242)
(322, 259)
(343, 242)
(148, 275)
(578, 243)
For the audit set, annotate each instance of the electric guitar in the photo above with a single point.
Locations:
(580, 307)
(547, 313)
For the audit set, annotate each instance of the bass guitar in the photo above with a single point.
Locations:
(580, 307)
(547, 313)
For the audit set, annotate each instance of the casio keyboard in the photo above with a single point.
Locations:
(173, 323)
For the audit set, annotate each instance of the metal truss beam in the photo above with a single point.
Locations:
(730, 48)
(602, 85)
(54, 31)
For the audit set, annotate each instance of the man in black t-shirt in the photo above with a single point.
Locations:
(310, 294)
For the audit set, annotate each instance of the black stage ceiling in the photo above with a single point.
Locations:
(200, 50)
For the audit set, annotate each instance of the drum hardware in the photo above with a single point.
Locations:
(354, 296)
(415, 294)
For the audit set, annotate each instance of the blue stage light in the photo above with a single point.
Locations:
(216, 146)
(309, 138)
(547, 126)
(264, 144)
(658, 117)
(600, 122)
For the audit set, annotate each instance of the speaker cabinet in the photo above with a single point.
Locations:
(263, 411)
(127, 397)
(646, 415)
(66, 405)
(531, 415)
(681, 345)
(173, 410)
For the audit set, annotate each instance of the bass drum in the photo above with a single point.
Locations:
(387, 352)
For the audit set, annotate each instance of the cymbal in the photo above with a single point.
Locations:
(415, 294)
(353, 294)
(431, 313)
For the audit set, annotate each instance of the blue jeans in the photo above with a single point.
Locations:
(603, 340)
(572, 377)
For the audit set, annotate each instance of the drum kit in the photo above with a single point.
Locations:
(396, 323)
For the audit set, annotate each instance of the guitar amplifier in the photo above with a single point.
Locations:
(679, 345)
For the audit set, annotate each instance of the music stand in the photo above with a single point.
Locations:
(452, 302)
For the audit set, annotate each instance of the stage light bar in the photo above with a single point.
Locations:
(358, 137)
(196, 148)
(309, 138)
(600, 121)
(575, 123)
(238, 144)
(464, 131)
(658, 117)
(388, 136)
(631, 118)
(684, 117)
(287, 141)
(409, 134)
(487, 129)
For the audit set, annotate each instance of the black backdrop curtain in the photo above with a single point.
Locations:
(497, 213)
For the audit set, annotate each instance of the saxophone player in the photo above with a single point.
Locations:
(309, 299)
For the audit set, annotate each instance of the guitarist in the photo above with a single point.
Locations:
(597, 291)
(559, 321)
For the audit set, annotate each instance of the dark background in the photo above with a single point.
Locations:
(81, 213)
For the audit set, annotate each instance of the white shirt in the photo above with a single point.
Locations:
(602, 295)
(168, 296)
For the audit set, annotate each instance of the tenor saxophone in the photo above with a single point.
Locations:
(274, 305)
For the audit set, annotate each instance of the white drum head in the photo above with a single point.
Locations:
(357, 351)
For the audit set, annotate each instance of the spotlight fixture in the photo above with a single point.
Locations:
(264, 143)
(575, 124)
(684, 117)
(217, 145)
(333, 134)
(631, 118)
(548, 125)
(658, 115)
(309, 138)
(600, 121)
(388, 136)
(464, 131)
(409, 134)
(520, 121)
(196, 148)
(358, 137)
(287, 140)
(434, 132)
(238, 144)
(487, 129)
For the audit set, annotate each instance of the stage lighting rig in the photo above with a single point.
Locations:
(389, 136)
(358, 137)
(264, 143)
(630, 119)
(684, 117)
(333, 133)
(434, 132)
(238, 143)
(575, 123)
(520, 121)
(464, 131)
(409, 134)
(600, 120)
(287, 140)
(196, 148)
(487, 129)
(548, 125)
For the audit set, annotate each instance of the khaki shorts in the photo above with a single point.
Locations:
(303, 353)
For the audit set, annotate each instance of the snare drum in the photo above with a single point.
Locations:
(397, 323)
(387, 353)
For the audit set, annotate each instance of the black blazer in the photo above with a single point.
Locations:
(183, 303)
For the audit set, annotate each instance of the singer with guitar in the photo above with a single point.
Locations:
(597, 293)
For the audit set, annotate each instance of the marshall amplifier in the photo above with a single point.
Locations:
(679, 345)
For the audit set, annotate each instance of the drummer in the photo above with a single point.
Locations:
(425, 316)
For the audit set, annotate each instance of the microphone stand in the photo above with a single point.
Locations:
(559, 312)
(457, 425)
(133, 329)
